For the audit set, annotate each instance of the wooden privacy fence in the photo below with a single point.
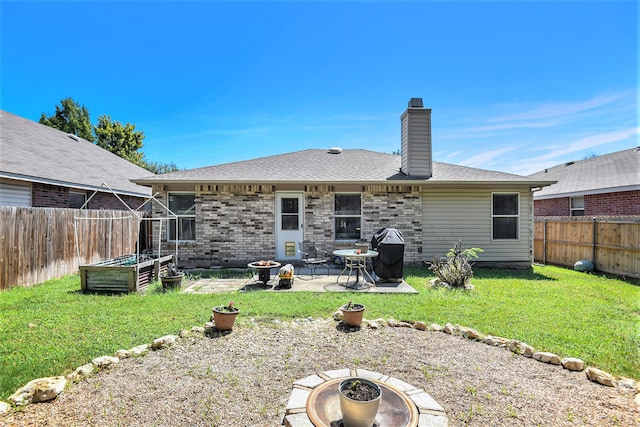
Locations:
(38, 244)
(611, 243)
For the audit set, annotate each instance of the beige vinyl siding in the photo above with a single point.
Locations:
(452, 215)
(416, 143)
(404, 144)
(15, 195)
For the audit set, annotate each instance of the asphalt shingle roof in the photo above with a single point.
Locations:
(617, 171)
(35, 152)
(320, 166)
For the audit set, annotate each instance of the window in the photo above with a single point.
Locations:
(504, 215)
(348, 216)
(577, 206)
(289, 213)
(76, 199)
(183, 205)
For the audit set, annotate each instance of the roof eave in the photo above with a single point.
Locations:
(79, 186)
(579, 193)
(427, 182)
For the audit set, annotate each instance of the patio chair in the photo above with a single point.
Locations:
(312, 257)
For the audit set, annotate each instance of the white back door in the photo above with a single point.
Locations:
(289, 224)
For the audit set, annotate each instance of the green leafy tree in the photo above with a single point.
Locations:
(160, 168)
(122, 140)
(71, 118)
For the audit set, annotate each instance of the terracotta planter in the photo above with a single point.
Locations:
(170, 282)
(223, 318)
(353, 316)
(359, 413)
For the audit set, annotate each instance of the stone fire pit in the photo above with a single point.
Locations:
(314, 402)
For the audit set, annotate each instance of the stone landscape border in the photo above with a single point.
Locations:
(45, 389)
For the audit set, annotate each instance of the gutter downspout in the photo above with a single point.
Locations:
(533, 222)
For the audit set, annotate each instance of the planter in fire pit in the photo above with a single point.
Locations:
(359, 401)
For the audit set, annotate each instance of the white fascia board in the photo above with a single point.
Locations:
(588, 192)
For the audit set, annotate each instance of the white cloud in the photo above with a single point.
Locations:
(484, 157)
(588, 142)
(555, 110)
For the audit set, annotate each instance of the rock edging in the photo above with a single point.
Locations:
(570, 363)
(45, 389)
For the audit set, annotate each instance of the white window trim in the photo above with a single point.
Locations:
(346, 193)
(506, 216)
(572, 209)
(177, 216)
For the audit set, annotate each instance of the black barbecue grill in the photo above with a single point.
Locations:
(389, 264)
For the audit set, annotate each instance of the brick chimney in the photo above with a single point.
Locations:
(416, 140)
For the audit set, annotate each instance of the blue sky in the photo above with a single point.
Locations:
(513, 86)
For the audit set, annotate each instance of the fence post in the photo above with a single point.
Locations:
(544, 242)
(593, 245)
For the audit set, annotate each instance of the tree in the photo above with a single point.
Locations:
(71, 118)
(160, 168)
(122, 140)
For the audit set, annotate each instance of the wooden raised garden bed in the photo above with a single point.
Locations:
(122, 274)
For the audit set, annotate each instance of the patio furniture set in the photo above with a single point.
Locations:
(355, 260)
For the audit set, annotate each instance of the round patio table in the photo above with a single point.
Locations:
(355, 259)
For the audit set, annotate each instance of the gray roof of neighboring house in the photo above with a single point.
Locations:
(614, 172)
(320, 166)
(31, 151)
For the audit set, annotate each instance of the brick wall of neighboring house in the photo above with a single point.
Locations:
(552, 207)
(234, 229)
(49, 196)
(109, 201)
(619, 203)
(55, 196)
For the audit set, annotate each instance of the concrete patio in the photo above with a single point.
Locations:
(303, 281)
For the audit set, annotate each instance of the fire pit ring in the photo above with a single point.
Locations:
(264, 270)
(396, 409)
(314, 401)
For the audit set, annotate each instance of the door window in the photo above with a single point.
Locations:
(289, 213)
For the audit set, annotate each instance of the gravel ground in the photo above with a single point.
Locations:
(244, 379)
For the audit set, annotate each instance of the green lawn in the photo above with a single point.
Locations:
(52, 328)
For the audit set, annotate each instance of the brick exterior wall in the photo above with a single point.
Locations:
(619, 203)
(402, 211)
(552, 207)
(55, 196)
(236, 228)
(109, 201)
(49, 196)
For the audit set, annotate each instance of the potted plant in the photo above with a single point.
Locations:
(224, 316)
(173, 278)
(352, 314)
(359, 401)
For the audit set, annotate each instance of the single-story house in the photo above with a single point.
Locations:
(603, 185)
(44, 167)
(235, 213)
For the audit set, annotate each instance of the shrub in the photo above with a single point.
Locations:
(455, 269)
